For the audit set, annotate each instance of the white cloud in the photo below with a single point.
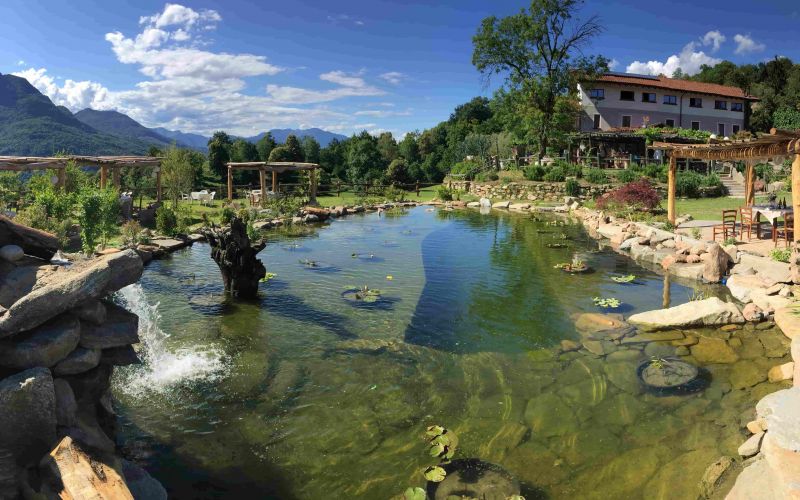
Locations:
(612, 64)
(190, 87)
(344, 19)
(715, 39)
(394, 77)
(382, 113)
(746, 45)
(689, 61)
(74, 95)
(20, 63)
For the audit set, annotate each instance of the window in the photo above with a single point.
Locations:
(648, 97)
(720, 104)
(737, 106)
(597, 94)
(735, 129)
(670, 123)
(626, 121)
(695, 102)
(720, 130)
(596, 121)
(671, 100)
(626, 95)
(695, 125)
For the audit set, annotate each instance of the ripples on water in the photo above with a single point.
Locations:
(300, 395)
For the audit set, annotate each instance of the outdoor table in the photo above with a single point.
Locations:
(772, 214)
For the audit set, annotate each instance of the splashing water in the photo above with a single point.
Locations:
(163, 369)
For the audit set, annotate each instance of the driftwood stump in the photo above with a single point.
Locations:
(235, 255)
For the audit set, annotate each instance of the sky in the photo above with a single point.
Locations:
(246, 67)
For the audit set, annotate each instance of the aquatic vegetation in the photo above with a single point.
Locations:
(267, 277)
(606, 302)
(435, 474)
(389, 277)
(363, 294)
(557, 245)
(309, 262)
(415, 494)
(697, 295)
(624, 279)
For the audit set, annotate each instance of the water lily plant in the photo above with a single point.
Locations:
(607, 302)
(267, 277)
(624, 279)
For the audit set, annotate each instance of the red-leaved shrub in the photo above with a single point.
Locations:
(638, 195)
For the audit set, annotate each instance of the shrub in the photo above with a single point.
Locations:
(486, 176)
(781, 254)
(466, 168)
(639, 195)
(687, 184)
(166, 220)
(629, 175)
(90, 218)
(183, 219)
(555, 174)
(393, 193)
(534, 172)
(226, 216)
(572, 188)
(109, 214)
(131, 233)
(655, 171)
(444, 193)
(596, 176)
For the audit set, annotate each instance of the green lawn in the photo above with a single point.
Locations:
(349, 198)
(711, 208)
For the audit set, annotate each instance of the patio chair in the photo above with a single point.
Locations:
(786, 232)
(727, 227)
(748, 221)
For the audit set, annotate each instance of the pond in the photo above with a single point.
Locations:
(311, 393)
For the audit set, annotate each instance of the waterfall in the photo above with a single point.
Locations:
(162, 368)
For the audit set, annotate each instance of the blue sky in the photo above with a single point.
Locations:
(246, 67)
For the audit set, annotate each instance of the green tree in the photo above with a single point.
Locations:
(364, 160)
(786, 119)
(219, 153)
(397, 172)
(408, 147)
(294, 148)
(311, 149)
(280, 153)
(177, 173)
(243, 151)
(388, 147)
(540, 53)
(333, 159)
(265, 145)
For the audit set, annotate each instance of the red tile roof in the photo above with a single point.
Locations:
(662, 82)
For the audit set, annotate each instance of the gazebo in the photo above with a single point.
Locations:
(105, 163)
(777, 143)
(275, 167)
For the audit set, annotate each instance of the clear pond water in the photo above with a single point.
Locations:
(303, 394)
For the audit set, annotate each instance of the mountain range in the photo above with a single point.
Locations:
(31, 125)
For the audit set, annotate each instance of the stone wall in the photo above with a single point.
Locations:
(60, 338)
(527, 191)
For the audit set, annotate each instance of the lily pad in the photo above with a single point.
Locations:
(435, 474)
(623, 279)
(415, 494)
(607, 303)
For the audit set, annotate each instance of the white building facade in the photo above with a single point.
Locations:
(626, 101)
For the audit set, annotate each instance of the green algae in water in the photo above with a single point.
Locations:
(316, 399)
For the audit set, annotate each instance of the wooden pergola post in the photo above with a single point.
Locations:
(275, 182)
(103, 176)
(796, 194)
(262, 177)
(312, 196)
(750, 184)
(671, 188)
(159, 195)
(230, 183)
(115, 176)
(61, 173)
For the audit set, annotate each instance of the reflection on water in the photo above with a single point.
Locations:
(302, 395)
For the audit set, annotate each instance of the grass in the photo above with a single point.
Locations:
(349, 198)
(711, 208)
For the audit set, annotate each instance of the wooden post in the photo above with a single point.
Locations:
(115, 175)
(159, 196)
(312, 197)
(796, 194)
(275, 182)
(230, 184)
(62, 177)
(671, 189)
(103, 176)
(262, 177)
(749, 189)
(417, 188)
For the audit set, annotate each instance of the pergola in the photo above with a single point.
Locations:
(59, 164)
(276, 167)
(778, 143)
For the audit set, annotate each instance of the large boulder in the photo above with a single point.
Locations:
(44, 346)
(28, 415)
(80, 360)
(11, 253)
(788, 321)
(66, 406)
(92, 311)
(107, 275)
(707, 312)
(142, 484)
(716, 264)
(120, 329)
(32, 241)
(767, 268)
(742, 285)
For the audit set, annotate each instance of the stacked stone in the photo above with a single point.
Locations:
(529, 191)
(59, 342)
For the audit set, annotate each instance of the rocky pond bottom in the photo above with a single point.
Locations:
(303, 394)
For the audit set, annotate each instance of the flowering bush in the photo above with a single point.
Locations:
(639, 195)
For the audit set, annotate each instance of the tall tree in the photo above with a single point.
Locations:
(540, 53)
(219, 147)
(408, 148)
(364, 161)
(177, 173)
(388, 147)
(333, 159)
(294, 147)
(265, 145)
(311, 149)
(242, 151)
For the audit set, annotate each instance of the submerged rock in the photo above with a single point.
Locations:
(707, 312)
(547, 415)
(712, 350)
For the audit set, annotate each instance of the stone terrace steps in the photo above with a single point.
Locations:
(735, 190)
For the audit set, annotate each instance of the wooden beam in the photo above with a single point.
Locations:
(312, 197)
(262, 177)
(115, 175)
(796, 194)
(230, 184)
(274, 182)
(158, 185)
(103, 176)
(671, 189)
